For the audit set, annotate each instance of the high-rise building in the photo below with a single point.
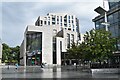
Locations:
(113, 17)
(64, 20)
(48, 41)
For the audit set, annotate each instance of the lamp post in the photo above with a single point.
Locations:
(102, 11)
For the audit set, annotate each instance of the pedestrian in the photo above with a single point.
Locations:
(42, 65)
(8, 66)
(16, 65)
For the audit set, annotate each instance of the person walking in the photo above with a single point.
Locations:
(16, 65)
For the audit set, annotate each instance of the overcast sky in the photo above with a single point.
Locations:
(15, 16)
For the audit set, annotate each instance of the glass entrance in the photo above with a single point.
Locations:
(34, 48)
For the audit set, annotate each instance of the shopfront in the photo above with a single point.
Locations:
(34, 48)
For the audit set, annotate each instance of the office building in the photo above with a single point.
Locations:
(48, 41)
(113, 18)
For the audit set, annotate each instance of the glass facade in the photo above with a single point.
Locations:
(34, 48)
(113, 17)
(98, 24)
(114, 4)
(114, 21)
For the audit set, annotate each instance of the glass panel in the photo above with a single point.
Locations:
(34, 48)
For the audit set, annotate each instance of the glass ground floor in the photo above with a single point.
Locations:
(34, 48)
(34, 60)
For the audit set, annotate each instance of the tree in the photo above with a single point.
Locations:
(15, 53)
(99, 45)
(6, 53)
(75, 52)
(10, 54)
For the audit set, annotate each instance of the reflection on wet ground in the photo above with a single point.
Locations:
(37, 73)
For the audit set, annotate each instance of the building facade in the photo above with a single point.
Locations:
(113, 17)
(48, 41)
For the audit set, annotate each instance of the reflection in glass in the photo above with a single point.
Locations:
(34, 48)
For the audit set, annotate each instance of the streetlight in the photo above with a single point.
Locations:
(102, 11)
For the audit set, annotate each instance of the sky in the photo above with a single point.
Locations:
(16, 15)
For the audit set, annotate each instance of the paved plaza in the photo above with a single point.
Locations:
(50, 72)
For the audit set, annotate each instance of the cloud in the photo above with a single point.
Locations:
(17, 15)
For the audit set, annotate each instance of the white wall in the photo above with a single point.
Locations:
(47, 39)
(21, 53)
(47, 42)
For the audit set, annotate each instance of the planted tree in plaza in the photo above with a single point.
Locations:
(10, 54)
(15, 54)
(99, 45)
(75, 53)
(6, 53)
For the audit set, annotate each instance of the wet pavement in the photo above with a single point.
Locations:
(40, 73)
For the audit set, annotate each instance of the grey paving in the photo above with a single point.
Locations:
(38, 72)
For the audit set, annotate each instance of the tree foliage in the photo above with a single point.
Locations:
(74, 52)
(100, 45)
(10, 54)
(97, 45)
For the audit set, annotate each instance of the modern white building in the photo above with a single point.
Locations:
(48, 41)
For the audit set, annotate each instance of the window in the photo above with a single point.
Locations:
(45, 22)
(72, 21)
(65, 25)
(48, 22)
(69, 17)
(69, 28)
(61, 24)
(115, 17)
(69, 21)
(53, 23)
(110, 18)
(73, 27)
(72, 17)
(68, 40)
(61, 18)
(49, 18)
(72, 38)
(53, 19)
(57, 18)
